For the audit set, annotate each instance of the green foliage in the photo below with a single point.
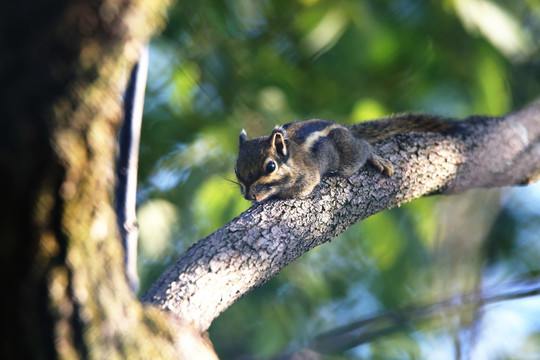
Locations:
(221, 66)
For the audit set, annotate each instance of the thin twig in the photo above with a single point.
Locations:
(362, 331)
(126, 170)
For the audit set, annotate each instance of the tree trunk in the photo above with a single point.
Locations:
(63, 62)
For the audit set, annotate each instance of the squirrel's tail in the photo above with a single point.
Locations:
(381, 129)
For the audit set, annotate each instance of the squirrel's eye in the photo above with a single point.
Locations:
(270, 167)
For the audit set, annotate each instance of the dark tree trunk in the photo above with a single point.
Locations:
(61, 68)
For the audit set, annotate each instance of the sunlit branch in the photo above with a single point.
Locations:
(219, 269)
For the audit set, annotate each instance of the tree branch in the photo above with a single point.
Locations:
(254, 247)
(365, 330)
(127, 166)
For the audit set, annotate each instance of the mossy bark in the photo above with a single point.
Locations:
(63, 64)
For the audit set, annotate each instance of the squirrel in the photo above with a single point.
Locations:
(294, 158)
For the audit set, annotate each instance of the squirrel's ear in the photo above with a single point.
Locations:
(242, 137)
(278, 143)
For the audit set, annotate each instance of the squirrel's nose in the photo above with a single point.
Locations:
(250, 195)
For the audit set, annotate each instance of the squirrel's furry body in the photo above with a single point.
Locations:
(291, 161)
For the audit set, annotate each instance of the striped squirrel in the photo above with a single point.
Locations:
(291, 161)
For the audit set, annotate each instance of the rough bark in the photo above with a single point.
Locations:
(219, 269)
(62, 63)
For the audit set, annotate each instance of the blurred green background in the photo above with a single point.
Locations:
(221, 66)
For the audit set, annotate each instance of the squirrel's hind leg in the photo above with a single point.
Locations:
(354, 153)
(382, 164)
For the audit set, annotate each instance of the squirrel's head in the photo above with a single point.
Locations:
(264, 165)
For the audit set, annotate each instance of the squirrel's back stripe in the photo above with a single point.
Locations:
(315, 136)
(302, 129)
